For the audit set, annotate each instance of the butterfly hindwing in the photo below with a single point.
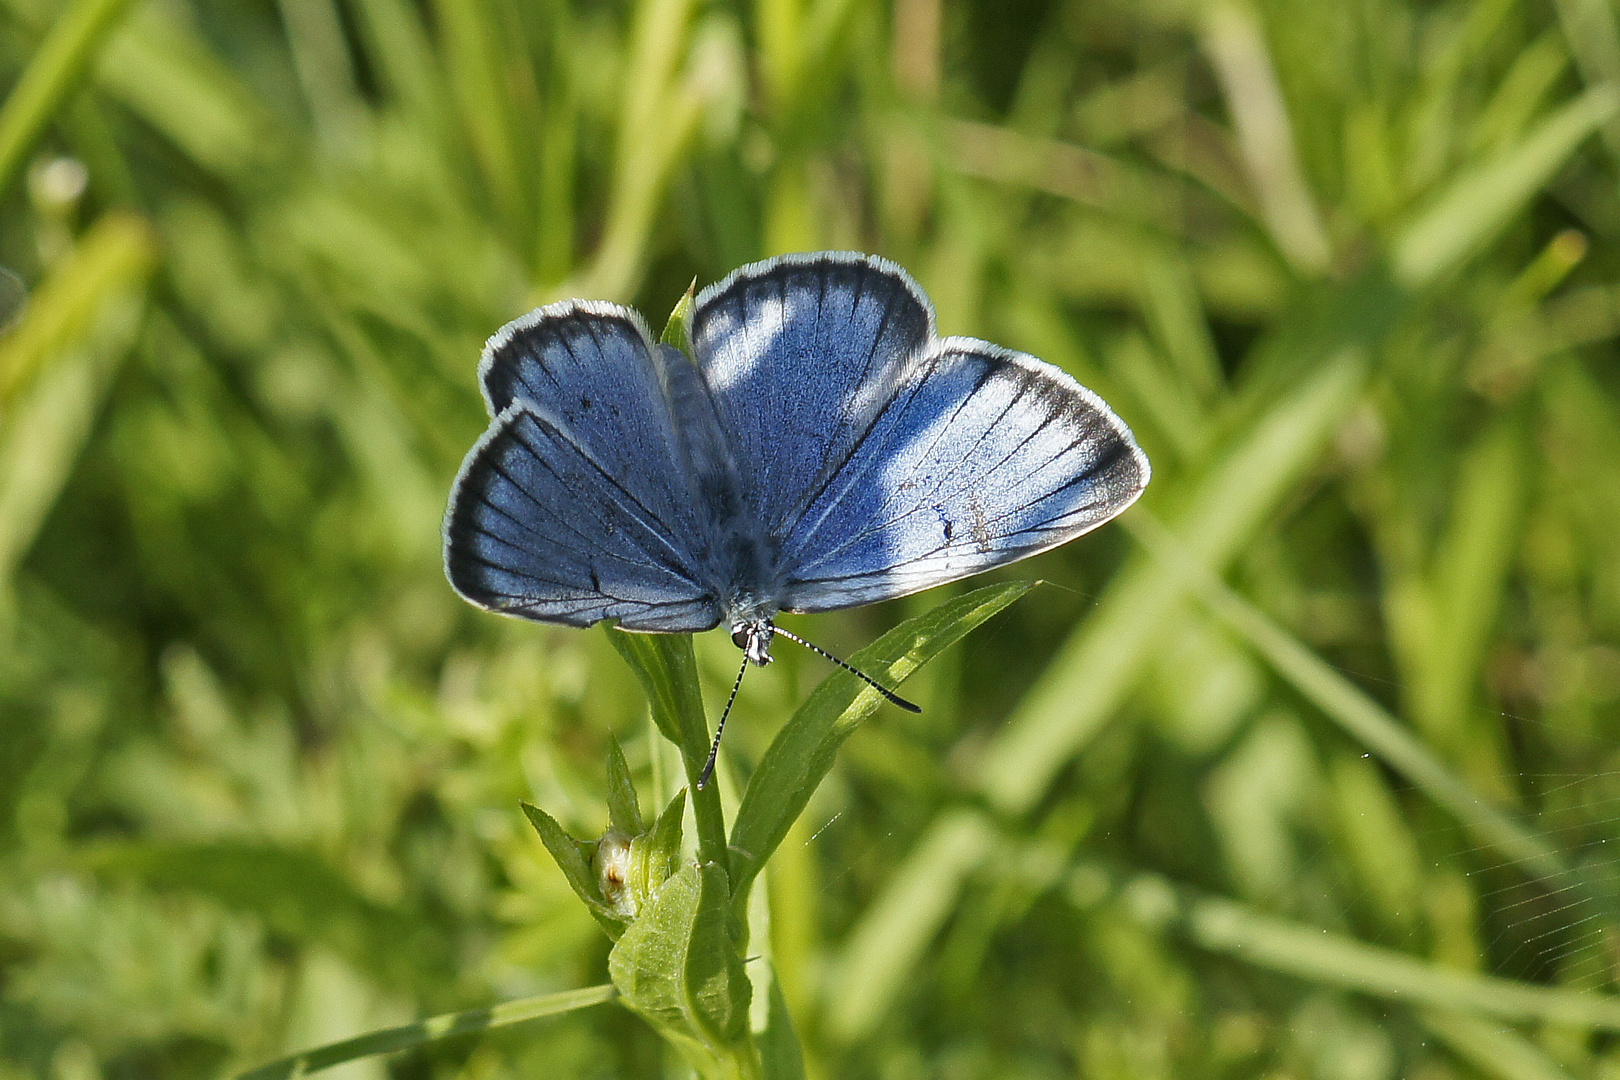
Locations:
(986, 456)
(539, 527)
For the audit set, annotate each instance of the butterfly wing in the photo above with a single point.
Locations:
(574, 506)
(985, 457)
(800, 354)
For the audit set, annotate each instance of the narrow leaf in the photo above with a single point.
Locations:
(434, 1028)
(1322, 957)
(573, 859)
(678, 331)
(781, 1057)
(667, 669)
(1491, 1048)
(1364, 720)
(803, 751)
(895, 929)
(624, 811)
(112, 261)
(159, 66)
(655, 855)
(56, 367)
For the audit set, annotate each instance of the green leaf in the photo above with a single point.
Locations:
(165, 72)
(667, 669)
(624, 811)
(655, 855)
(573, 858)
(1441, 621)
(72, 308)
(1491, 1047)
(493, 85)
(434, 1028)
(677, 967)
(803, 751)
(1320, 956)
(678, 330)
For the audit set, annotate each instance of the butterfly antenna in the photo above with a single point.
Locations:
(857, 672)
(714, 747)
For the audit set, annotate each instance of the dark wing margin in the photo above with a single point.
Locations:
(801, 353)
(560, 353)
(988, 456)
(540, 528)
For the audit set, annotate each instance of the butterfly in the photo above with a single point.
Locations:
(821, 448)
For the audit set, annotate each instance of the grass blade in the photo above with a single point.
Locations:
(1236, 44)
(1481, 200)
(1318, 956)
(55, 368)
(897, 926)
(1099, 664)
(1491, 1048)
(1330, 959)
(389, 1040)
(57, 66)
(160, 69)
(112, 258)
(486, 85)
(1363, 718)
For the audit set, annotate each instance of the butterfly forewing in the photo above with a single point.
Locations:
(801, 353)
(536, 528)
(985, 457)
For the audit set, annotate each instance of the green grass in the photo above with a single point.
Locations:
(1307, 768)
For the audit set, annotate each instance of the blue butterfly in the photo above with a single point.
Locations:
(821, 448)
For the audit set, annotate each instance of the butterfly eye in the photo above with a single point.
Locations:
(740, 636)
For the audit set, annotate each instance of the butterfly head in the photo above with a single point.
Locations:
(753, 637)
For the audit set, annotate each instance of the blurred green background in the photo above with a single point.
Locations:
(1307, 768)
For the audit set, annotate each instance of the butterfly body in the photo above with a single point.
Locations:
(821, 448)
